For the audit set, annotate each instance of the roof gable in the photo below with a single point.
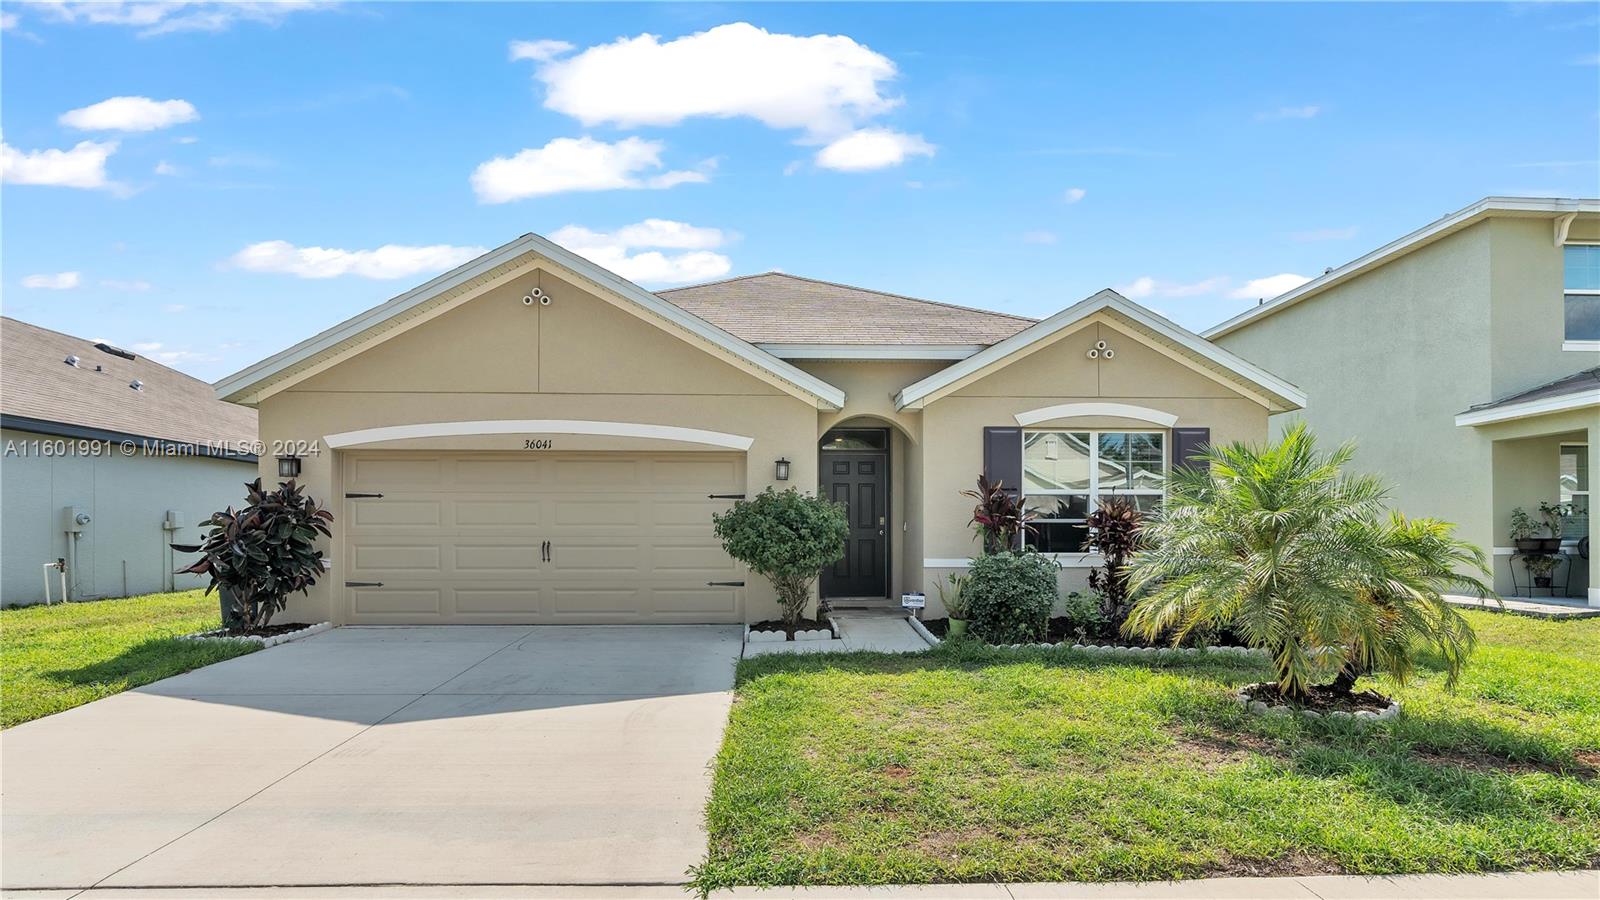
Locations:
(1161, 334)
(508, 261)
(775, 308)
(37, 384)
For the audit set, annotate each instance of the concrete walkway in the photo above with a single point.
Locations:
(1516, 886)
(1538, 608)
(439, 755)
(857, 631)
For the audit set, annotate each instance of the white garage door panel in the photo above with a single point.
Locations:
(459, 537)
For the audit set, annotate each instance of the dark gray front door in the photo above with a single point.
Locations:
(860, 481)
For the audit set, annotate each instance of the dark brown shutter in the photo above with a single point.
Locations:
(1002, 457)
(1187, 445)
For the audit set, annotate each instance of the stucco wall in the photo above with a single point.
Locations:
(1527, 321)
(1387, 360)
(1060, 373)
(126, 496)
(578, 358)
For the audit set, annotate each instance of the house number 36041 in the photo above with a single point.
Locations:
(537, 444)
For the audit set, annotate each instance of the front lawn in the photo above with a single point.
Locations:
(56, 657)
(969, 764)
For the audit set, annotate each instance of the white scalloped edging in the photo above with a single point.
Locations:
(1115, 649)
(286, 637)
(778, 637)
(1260, 708)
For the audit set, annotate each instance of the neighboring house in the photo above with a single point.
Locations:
(108, 457)
(1462, 359)
(530, 438)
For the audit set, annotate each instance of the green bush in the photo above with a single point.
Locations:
(1009, 596)
(1084, 616)
(787, 537)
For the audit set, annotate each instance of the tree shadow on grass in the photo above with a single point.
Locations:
(150, 660)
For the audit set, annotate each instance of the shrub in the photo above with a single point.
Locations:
(1009, 596)
(262, 553)
(1277, 544)
(788, 538)
(1084, 615)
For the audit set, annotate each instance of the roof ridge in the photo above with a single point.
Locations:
(856, 287)
(138, 357)
(686, 287)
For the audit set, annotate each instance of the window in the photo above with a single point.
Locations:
(855, 439)
(1575, 490)
(1064, 473)
(1581, 282)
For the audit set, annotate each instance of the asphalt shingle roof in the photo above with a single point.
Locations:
(1576, 383)
(36, 383)
(777, 308)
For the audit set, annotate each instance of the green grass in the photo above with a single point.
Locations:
(56, 657)
(971, 764)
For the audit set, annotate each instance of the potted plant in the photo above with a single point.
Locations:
(1552, 514)
(789, 538)
(259, 555)
(1523, 532)
(955, 604)
(1540, 566)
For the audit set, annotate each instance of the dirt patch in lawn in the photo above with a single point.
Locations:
(1586, 764)
(1210, 751)
(897, 772)
(1295, 862)
(1319, 698)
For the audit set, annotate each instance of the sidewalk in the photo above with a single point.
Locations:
(1581, 885)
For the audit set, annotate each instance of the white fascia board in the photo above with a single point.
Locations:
(1398, 247)
(1290, 396)
(1581, 346)
(1526, 409)
(871, 351)
(824, 394)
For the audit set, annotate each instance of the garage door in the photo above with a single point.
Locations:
(489, 538)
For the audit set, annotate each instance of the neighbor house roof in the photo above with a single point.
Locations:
(41, 392)
(1162, 334)
(250, 384)
(1575, 391)
(776, 311)
(1562, 211)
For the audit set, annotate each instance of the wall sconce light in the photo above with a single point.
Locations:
(783, 469)
(288, 467)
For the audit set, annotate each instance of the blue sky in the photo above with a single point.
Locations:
(1017, 158)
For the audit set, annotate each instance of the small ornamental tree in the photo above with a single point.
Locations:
(262, 553)
(999, 517)
(788, 538)
(1114, 534)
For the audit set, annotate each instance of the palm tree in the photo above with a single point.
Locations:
(1276, 543)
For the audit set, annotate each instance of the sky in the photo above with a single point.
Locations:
(208, 184)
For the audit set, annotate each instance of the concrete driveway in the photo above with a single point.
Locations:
(424, 755)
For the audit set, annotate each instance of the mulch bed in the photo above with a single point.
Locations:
(263, 632)
(799, 625)
(937, 627)
(1321, 699)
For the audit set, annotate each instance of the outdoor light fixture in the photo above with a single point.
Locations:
(288, 467)
(783, 469)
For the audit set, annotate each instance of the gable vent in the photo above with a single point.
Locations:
(114, 351)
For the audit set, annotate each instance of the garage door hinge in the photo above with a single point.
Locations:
(355, 496)
(725, 496)
(724, 584)
(363, 584)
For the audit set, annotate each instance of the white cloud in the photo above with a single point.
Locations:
(1324, 234)
(187, 139)
(60, 281)
(539, 51)
(8, 21)
(1308, 111)
(156, 17)
(116, 285)
(1145, 287)
(576, 164)
(1268, 287)
(158, 351)
(823, 84)
(872, 148)
(84, 166)
(165, 168)
(1073, 195)
(130, 114)
(388, 261)
(1038, 237)
(612, 250)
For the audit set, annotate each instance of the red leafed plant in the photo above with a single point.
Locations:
(999, 517)
(1114, 534)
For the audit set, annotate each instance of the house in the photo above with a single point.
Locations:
(530, 438)
(108, 458)
(1462, 358)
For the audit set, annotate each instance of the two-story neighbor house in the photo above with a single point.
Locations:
(531, 438)
(1464, 358)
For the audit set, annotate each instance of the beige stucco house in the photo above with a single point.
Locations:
(1463, 359)
(530, 438)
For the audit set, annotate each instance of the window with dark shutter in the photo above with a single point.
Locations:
(1187, 445)
(1002, 457)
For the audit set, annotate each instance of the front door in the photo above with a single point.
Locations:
(859, 479)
